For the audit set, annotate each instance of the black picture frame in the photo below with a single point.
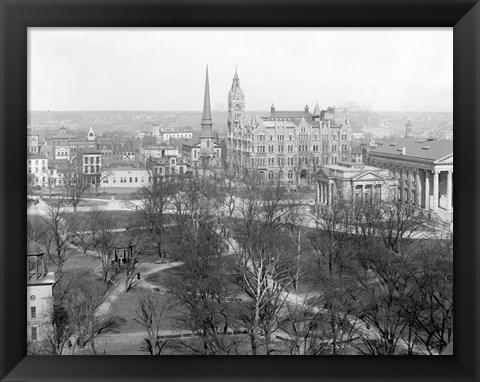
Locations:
(18, 15)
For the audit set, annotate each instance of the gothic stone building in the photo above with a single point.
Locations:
(289, 145)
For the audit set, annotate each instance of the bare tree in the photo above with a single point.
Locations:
(265, 265)
(137, 242)
(205, 288)
(57, 236)
(76, 184)
(431, 308)
(80, 295)
(156, 204)
(149, 314)
(103, 237)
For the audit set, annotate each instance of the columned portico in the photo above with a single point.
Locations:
(424, 170)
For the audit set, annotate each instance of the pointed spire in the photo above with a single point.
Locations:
(306, 107)
(347, 119)
(316, 111)
(236, 90)
(207, 113)
(272, 108)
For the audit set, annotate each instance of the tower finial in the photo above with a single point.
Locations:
(316, 111)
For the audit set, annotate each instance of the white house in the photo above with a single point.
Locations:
(123, 179)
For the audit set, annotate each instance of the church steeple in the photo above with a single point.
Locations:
(207, 113)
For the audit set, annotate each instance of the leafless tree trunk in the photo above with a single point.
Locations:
(149, 315)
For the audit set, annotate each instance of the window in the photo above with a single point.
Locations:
(33, 312)
(33, 333)
(114, 179)
(130, 179)
(32, 297)
(136, 180)
(290, 175)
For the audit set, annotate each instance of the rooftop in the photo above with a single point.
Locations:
(36, 156)
(430, 149)
(33, 249)
(289, 114)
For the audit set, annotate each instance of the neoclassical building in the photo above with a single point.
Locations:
(353, 180)
(289, 145)
(423, 168)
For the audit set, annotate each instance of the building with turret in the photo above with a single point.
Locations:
(409, 129)
(40, 284)
(285, 145)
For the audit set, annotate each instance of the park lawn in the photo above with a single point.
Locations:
(53, 202)
(125, 306)
(123, 218)
(80, 260)
(117, 196)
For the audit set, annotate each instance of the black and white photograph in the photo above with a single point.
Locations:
(239, 191)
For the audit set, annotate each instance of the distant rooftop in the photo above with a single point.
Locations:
(431, 149)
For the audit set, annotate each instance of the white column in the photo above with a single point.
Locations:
(402, 184)
(410, 186)
(318, 191)
(449, 190)
(435, 190)
(327, 193)
(427, 190)
(418, 189)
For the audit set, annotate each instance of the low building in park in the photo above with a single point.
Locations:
(353, 180)
(40, 284)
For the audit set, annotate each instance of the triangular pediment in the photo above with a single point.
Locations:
(322, 173)
(445, 160)
(368, 176)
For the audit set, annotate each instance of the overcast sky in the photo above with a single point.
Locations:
(388, 69)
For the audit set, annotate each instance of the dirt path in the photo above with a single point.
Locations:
(119, 287)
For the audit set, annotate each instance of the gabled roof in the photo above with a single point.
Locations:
(289, 114)
(368, 175)
(432, 150)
